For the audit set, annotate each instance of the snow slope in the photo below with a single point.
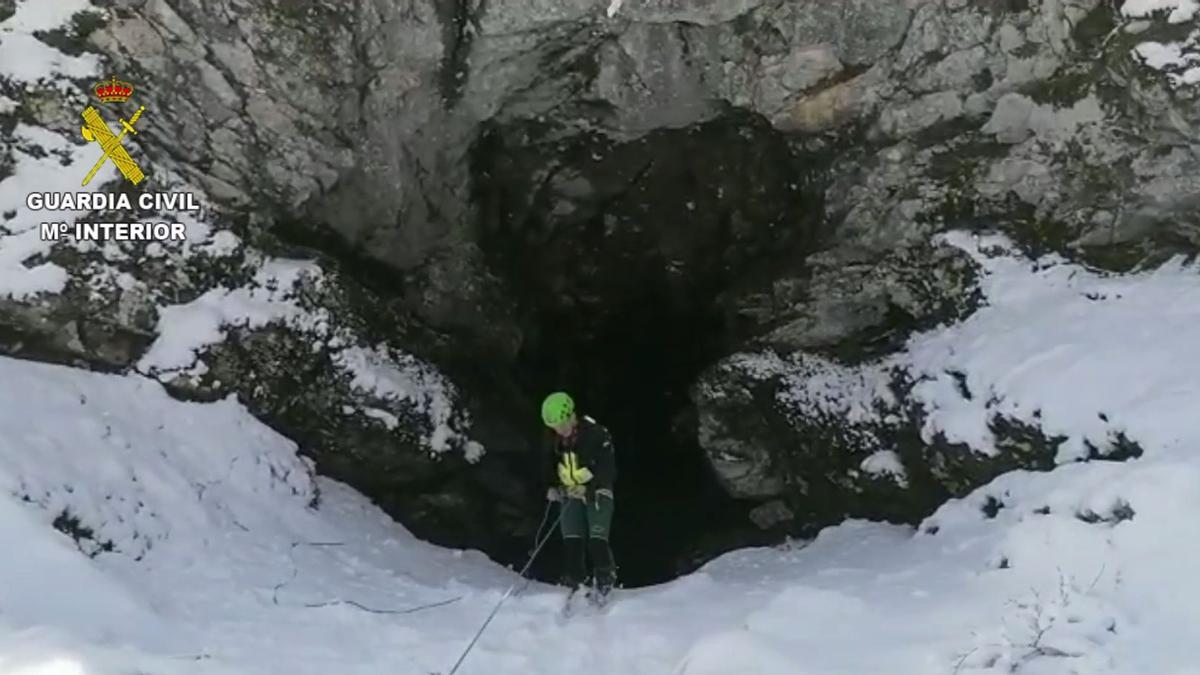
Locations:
(212, 549)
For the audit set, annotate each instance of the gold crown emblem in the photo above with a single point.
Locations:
(113, 91)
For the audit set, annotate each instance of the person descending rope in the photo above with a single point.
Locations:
(581, 468)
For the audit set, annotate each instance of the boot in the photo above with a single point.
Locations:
(602, 564)
(575, 563)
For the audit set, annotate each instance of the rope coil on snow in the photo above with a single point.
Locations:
(539, 541)
(339, 601)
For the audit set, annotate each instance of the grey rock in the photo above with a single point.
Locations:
(1016, 118)
(781, 77)
(771, 514)
(907, 119)
(845, 297)
(741, 428)
(700, 12)
(836, 106)
(1028, 179)
(1010, 121)
(959, 71)
(860, 32)
(822, 433)
(645, 74)
(743, 460)
(935, 31)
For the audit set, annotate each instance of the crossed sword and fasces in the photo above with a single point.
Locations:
(96, 129)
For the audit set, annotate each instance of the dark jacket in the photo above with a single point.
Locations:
(593, 448)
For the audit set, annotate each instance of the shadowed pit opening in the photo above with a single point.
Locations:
(626, 259)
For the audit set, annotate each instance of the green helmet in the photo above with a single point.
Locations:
(557, 408)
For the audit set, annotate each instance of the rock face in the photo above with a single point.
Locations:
(491, 172)
(1015, 112)
(891, 436)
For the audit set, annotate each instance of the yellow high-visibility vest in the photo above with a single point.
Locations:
(570, 474)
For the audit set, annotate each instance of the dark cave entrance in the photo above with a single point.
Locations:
(626, 259)
(671, 512)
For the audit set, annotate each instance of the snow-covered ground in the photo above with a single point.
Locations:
(200, 524)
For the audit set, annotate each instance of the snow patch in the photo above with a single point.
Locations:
(886, 463)
(222, 243)
(43, 160)
(1179, 60)
(1179, 10)
(473, 451)
(391, 377)
(185, 330)
(26, 59)
(820, 386)
(1052, 348)
(39, 157)
(389, 420)
(402, 378)
(33, 15)
(1158, 55)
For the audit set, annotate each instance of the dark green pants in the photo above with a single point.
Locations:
(590, 522)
